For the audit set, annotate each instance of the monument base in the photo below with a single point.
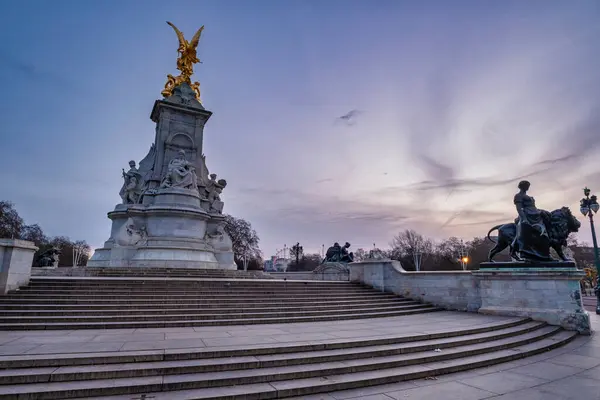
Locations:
(170, 229)
(548, 292)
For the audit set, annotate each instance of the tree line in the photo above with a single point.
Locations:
(12, 226)
(442, 255)
(446, 255)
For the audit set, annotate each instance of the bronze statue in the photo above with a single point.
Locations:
(49, 258)
(534, 231)
(337, 253)
(185, 63)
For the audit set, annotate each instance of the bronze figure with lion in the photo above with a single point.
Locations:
(534, 231)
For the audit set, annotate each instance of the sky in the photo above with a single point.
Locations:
(448, 103)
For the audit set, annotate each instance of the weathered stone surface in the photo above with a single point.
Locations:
(552, 294)
(173, 204)
(547, 294)
(16, 257)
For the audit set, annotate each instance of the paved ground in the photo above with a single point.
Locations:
(571, 372)
(589, 303)
(118, 340)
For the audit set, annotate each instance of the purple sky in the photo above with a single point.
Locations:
(458, 100)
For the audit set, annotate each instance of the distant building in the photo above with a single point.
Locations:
(276, 264)
(268, 266)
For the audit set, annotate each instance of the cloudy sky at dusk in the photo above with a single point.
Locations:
(456, 102)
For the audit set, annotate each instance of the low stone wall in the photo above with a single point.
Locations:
(16, 258)
(453, 290)
(311, 276)
(544, 294)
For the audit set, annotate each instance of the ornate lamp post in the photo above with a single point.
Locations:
(418, 256)
(588, 207)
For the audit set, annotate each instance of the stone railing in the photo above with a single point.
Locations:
(549, 293)
(311, 276)
(329, 271)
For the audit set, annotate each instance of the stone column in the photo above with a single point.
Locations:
(547, 292)
(16, 257)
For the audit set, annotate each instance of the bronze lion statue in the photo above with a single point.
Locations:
(559, 225)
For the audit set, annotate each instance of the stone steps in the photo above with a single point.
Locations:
(196, 300)
(61, 360)
(136, 302)
(191, 292)
(216, 285)
(198, 362)
(160, 309)
(209, 296)
(201, 304)
(179, 314)
(267, 371)
(147, 272)
(132, 280)
(110, 322)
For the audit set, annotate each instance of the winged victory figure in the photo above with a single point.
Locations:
(185, 63)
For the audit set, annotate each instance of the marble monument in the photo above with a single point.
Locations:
(171, 210)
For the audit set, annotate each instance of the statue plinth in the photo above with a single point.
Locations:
(527, 266)
(172, 211)
(547, 292)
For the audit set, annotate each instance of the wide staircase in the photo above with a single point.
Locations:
(153, 302)
(244, 371)
(152, 272)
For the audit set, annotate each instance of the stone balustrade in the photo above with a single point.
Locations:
(548, 293)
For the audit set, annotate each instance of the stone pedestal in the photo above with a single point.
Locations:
(548, 292)
(16, 258)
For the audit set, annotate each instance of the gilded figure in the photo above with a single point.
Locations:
(185, 63)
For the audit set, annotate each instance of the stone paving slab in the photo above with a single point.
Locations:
(111, 340)
(567, 373)
(570, 372)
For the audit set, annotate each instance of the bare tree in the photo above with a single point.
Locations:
(34, 233)
(11, 223)
(308, 262)
(408, 243)
(296, 252)
(13, 226)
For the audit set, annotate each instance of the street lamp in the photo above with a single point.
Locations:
(463, 256)
(588, 207)
(464, 261)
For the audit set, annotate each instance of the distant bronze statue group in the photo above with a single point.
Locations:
(337, 253)
(529, 238)
(534, 231)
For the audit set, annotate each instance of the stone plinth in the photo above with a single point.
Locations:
(548, 292)
(16, 258)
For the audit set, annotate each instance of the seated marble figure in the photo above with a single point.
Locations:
(180, 174)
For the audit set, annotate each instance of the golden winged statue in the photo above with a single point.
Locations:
(185, 63)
